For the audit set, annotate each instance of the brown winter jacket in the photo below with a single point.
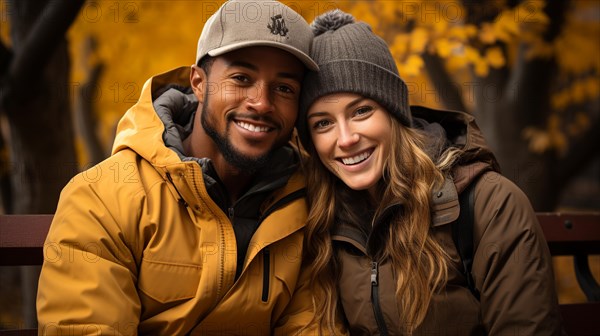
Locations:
(511, 263)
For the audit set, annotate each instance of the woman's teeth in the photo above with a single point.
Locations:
(356, 159)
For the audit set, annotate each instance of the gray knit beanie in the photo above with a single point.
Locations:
(351, 59)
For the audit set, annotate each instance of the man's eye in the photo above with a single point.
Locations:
(285, 89)
(241, 78)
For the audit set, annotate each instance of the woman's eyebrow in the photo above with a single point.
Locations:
(355, 102)
(316, 114)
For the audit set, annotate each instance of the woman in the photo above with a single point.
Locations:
(383, 196)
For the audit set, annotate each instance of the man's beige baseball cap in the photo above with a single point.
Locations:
(248, 23)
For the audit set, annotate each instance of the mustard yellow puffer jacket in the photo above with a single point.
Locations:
(137, 246)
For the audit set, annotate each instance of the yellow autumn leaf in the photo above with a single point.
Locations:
(505, 27)
(592, 87)
(399, 47)
(539, 48)
(487, 34)
(539, 141)
(472, 54)
(575, 53)
(459, 33)
(481, 68)
(560, 100)
(362, 11)
(495, 57)
(557, 137)
(471, 30)
(531, 12)
(387, 10)
(440, 26)
(456, 62)
(443, 47)
(578, 92)
(412, 66)
(418, 40)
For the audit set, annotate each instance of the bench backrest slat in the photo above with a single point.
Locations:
(22, 239)
(571, 233)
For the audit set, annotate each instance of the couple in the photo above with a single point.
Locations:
(199, 223)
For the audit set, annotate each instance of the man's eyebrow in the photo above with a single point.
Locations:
(242, 64)
(295, 76)
(289, 75)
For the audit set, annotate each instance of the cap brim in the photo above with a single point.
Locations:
(308, 62)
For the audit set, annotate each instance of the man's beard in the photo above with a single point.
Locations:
(247, 165)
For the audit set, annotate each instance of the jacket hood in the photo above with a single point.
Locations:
(459, 129)
(156, 126)
(141, 128)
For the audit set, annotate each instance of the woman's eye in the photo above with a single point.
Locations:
(321, 124)
(363, 110)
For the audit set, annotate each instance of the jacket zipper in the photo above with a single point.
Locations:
(266, 274)
(266, 252)
(219, 287)
(181, 201)
(375, 299)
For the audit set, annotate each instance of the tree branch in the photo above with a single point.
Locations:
(86, 116)
(42, 40)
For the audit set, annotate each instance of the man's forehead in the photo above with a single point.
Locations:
(262, 58)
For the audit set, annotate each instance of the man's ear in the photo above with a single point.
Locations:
(198, 80)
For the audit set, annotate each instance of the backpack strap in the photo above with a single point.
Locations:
(462, 234)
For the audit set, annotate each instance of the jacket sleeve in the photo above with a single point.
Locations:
(297, 316)
(512, 265)
(87, 282)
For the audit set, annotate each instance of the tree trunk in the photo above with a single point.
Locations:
(36, 103)
(524, 103)
(507, 101)
(41, 130)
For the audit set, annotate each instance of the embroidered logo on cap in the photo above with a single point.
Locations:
(277, 25)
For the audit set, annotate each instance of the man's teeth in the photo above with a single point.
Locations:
(356, 159)
(253, 128)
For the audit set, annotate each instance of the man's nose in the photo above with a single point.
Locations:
(259, 98)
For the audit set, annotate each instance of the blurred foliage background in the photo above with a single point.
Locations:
(528, 70)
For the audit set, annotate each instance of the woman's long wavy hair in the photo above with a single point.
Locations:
(418, 261)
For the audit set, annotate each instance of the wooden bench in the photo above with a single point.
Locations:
(578, 235)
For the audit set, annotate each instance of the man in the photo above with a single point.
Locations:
(195, 223)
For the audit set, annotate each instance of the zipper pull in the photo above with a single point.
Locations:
(181, 201)
(374, 273)
(230, 211)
